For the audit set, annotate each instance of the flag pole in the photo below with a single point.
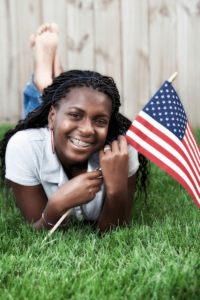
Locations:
(170, 80)
(58, 223)
(173, 77)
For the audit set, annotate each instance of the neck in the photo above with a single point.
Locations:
(76, 170)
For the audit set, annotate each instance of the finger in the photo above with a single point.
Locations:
(115, 146)
(96, 182)
(106, 149)
(123, 145)
(101, 154)
(94, 174)
(96, 189)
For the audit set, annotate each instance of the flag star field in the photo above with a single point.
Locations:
(166, 108)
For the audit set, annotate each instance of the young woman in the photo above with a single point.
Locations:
(52, 157)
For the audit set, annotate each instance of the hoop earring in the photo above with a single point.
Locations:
(52, 142)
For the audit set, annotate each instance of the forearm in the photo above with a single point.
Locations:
(52, 214)
(115, 210)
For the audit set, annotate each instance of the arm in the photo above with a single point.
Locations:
(117, 206)
(120, 188)
(32, 200)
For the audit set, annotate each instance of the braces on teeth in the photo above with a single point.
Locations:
(79, 142)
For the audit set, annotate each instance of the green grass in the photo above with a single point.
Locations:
(157, 256)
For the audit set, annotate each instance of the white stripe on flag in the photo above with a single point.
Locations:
(164, 159)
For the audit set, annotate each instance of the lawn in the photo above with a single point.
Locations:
(157, 255)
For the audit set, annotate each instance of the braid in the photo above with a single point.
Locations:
(39, 117)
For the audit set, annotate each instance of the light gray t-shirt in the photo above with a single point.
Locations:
(30, 161)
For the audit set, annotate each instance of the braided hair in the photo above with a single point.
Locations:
(39, 117)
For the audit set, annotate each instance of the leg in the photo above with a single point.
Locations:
(44, 45)
(58, 69)
(46, 42)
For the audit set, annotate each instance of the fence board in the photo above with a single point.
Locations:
(9, 111)
(108, 56)
(80, 27)
(135, 55)
(162, 42)
(28, 19)
(56, 11)
(188, 55)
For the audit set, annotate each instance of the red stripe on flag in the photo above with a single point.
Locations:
(168, 155)
(162, 165)
(193, 138)
(189, 152)
(168, 140)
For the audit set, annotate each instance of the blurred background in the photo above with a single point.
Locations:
(140, 43)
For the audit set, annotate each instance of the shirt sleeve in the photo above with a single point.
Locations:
(20, 165)
(133, 160)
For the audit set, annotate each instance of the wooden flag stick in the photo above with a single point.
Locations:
(58, 223)
(173, 77)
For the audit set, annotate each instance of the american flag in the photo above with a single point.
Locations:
(162, 133)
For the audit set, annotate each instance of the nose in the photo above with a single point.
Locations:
(86, 127)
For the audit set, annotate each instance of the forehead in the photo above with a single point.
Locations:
(87, 98)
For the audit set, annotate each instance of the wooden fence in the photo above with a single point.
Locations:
(138, 42)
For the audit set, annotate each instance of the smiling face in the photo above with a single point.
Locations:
(80, 125)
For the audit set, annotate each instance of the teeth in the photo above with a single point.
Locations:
(79, 142)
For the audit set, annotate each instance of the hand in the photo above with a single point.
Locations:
(77, 191)
(114, 165)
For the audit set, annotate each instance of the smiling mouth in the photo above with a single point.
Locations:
(79, 143)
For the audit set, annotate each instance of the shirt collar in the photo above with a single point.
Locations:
(50, 166)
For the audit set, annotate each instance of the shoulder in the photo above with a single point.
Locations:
(24, 137)
(133, 160)
(26, 143)
(23, 156)
(132, 151)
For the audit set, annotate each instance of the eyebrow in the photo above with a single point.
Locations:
(81, 110)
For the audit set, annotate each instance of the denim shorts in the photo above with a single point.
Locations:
(32, 98)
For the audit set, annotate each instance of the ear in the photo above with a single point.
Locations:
(51, 117)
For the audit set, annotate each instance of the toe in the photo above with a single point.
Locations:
(32, 40)
(41, 29)
(47, 27)
(54, 28)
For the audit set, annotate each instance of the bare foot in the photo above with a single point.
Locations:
(58, 69)
(41, 29)
(32, 41)
(45, 45)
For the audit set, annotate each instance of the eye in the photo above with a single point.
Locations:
(74, 115)
(100, 121)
